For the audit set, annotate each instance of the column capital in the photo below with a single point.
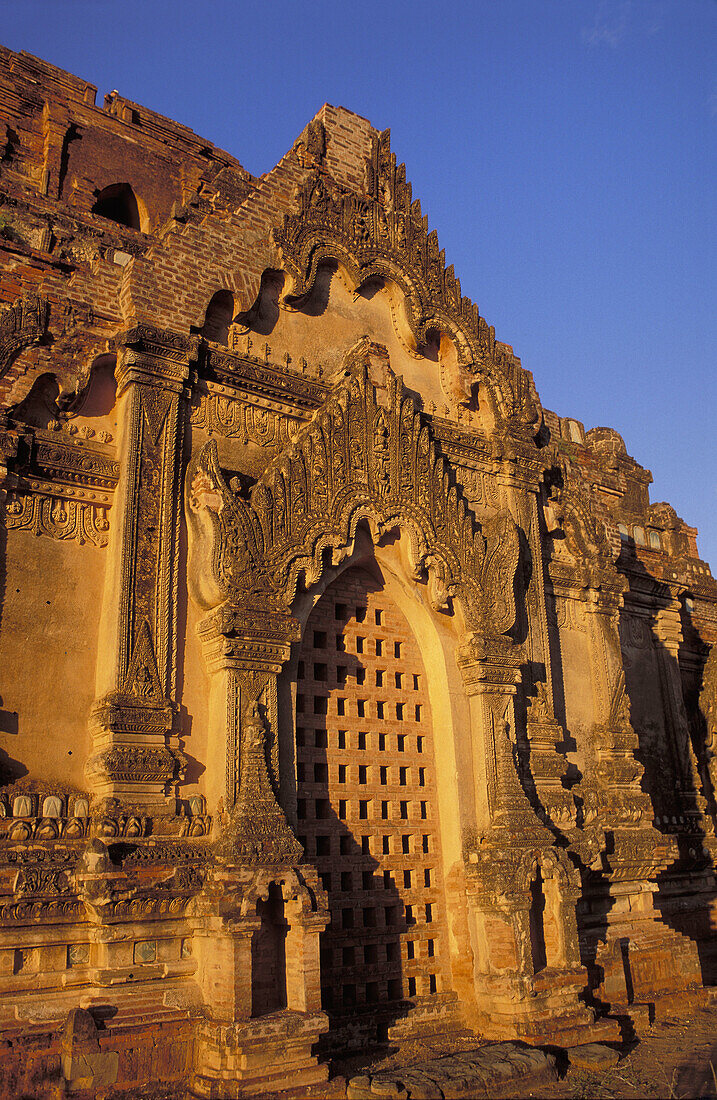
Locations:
(489, 663)
(247, 638)
(154, 356)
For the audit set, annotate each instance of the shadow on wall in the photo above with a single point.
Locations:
(262, 317)
(663, 688)
(674, 753)
(10, 769)
(361, 971)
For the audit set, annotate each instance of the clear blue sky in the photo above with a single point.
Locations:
(563, 149)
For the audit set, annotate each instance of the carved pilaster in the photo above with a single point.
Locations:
(708, 707)
(618, 771)
(490, 667)
(668, 633)
(521, 890)
(258, 859)
(257, 831)
(244, 650)
(8, 451)
(135, 751)
(546, 763)
(537, 642)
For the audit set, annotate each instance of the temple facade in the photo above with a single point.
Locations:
(346, 691)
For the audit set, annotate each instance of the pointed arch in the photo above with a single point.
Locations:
(120, 203)
(367, 455)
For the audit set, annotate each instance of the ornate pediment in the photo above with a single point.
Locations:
(383, 234)
(368, 455)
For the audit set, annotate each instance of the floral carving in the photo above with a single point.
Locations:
(229, 417)
(136, 763)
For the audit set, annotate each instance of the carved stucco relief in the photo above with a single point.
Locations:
(367, 454)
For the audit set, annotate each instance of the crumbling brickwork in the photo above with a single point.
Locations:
(347, 691)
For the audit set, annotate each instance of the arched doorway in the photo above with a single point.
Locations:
(367, 804)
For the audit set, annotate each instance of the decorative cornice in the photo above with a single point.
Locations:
(256, 376)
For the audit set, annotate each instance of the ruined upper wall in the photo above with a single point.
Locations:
(59, 144)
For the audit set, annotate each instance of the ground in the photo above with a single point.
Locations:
(676, 1058)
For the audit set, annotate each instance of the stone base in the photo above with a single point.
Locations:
(427, 1016)
(687, 904)
(640, 1015)
(397, 1022)
(256, 1057)
(471, 1073)
(543, 1009)
(646, 963)
(131, 1052)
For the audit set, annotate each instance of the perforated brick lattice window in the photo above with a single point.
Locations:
(366, 799)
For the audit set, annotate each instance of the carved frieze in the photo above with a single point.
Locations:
(57, 518)
(136, 763)
(254, 376)
(224, 414)
(60, 487)
(75, 462)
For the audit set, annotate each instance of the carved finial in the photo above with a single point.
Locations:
(540, 709)
(310, 149)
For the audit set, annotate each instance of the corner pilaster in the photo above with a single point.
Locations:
(135, 747)
(668, 633)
